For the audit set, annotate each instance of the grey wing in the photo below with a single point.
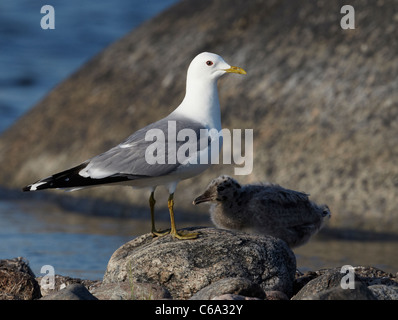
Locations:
(130, 159)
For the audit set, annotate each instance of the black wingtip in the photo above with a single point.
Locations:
(72, 179)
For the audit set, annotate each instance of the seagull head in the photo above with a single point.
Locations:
(209, 66)
(201, 96)
(223, 188)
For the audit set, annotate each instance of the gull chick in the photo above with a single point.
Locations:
(266, 209)
(127, 163)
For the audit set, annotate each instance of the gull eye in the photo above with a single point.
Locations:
(209, 63)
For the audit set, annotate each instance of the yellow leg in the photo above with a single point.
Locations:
(152, 202)
(173, 232)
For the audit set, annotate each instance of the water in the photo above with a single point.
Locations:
(74, 245)
(81, 246)
(323, 252)
(33, 60)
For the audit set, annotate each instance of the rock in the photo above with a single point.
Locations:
(384, 292)
(130, 291)
(230, 296)
(17, 281)
(373, 276)
(74, 291)
(361, 292)
(302, 279)
(61, 282)
(235, 286)
(17, 264)
(370, 284)
(185, 267)
(9, 296)
(319, 284)
(328, 287)
(275, 295)
(322, 102)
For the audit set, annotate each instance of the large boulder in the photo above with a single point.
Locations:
(322, 101)
(185, 267)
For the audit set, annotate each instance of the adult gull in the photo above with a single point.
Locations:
(136, 163)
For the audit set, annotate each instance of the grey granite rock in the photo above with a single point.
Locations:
(185, 267)
(61, 282)
(74, 291)
(384, 292)
(359, 292)
(369, 283)
(235, 286)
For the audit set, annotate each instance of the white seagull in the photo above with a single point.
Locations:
(128, 164)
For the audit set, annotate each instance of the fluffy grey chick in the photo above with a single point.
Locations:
(267, 209)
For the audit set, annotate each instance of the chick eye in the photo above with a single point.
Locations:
(209, 63)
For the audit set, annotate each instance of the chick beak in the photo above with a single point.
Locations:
(202, 198)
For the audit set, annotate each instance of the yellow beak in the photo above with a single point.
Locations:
(235, 70)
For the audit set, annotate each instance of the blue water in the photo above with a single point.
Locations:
(74, 245)
(33, 60)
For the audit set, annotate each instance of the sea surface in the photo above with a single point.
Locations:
(80, 246)
(32, 62)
